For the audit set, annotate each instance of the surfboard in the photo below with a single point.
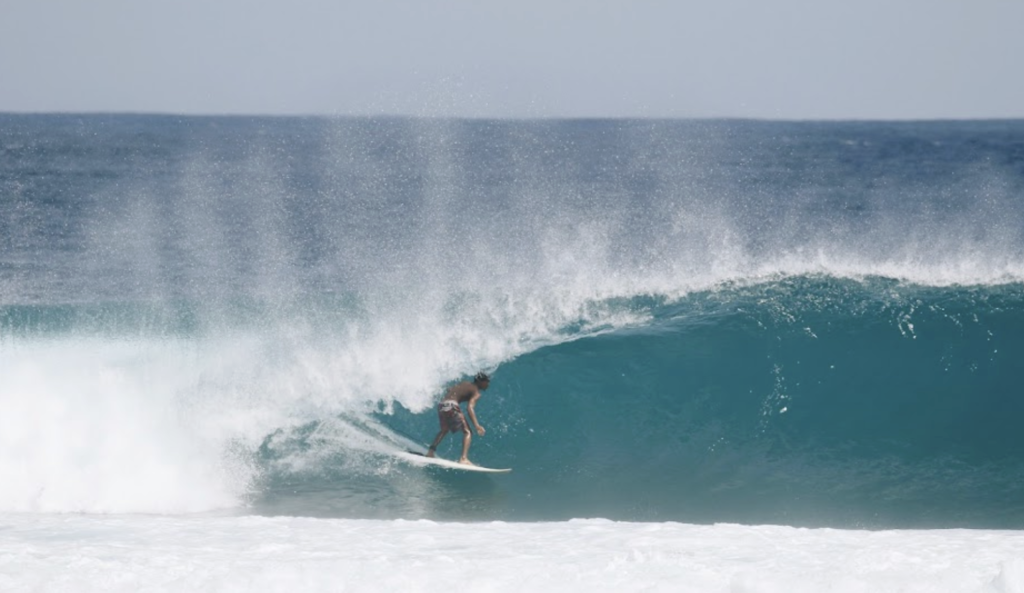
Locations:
(421, 459)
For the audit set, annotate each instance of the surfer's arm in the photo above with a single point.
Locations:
(470, 407)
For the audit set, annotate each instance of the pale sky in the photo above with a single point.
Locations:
(788, 59)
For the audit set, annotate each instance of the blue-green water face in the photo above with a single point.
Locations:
(811, 324)
(808, 401)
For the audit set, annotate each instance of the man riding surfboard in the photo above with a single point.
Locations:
(449, 413)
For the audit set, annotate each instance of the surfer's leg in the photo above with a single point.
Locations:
(467, 438)
(442, 419)
(437, 441)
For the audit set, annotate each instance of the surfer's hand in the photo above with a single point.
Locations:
(480, 430)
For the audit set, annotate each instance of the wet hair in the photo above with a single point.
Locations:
(481, 377)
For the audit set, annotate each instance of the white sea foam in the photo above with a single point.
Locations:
(54, 553)
(101, 426)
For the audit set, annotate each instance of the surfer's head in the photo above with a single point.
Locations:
(482, 380)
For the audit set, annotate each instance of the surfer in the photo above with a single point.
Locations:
(449, 413)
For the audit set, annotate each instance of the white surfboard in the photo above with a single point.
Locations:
(421, 459)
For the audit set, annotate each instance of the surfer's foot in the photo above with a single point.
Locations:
(465, 461)
(430, 453)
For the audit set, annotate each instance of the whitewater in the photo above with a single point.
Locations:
(726, 355)
(131, 553)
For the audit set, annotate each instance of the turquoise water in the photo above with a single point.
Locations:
(806, 400)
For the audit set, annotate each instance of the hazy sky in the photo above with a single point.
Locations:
(522, 58)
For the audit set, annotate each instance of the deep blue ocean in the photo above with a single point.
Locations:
(800, 323)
